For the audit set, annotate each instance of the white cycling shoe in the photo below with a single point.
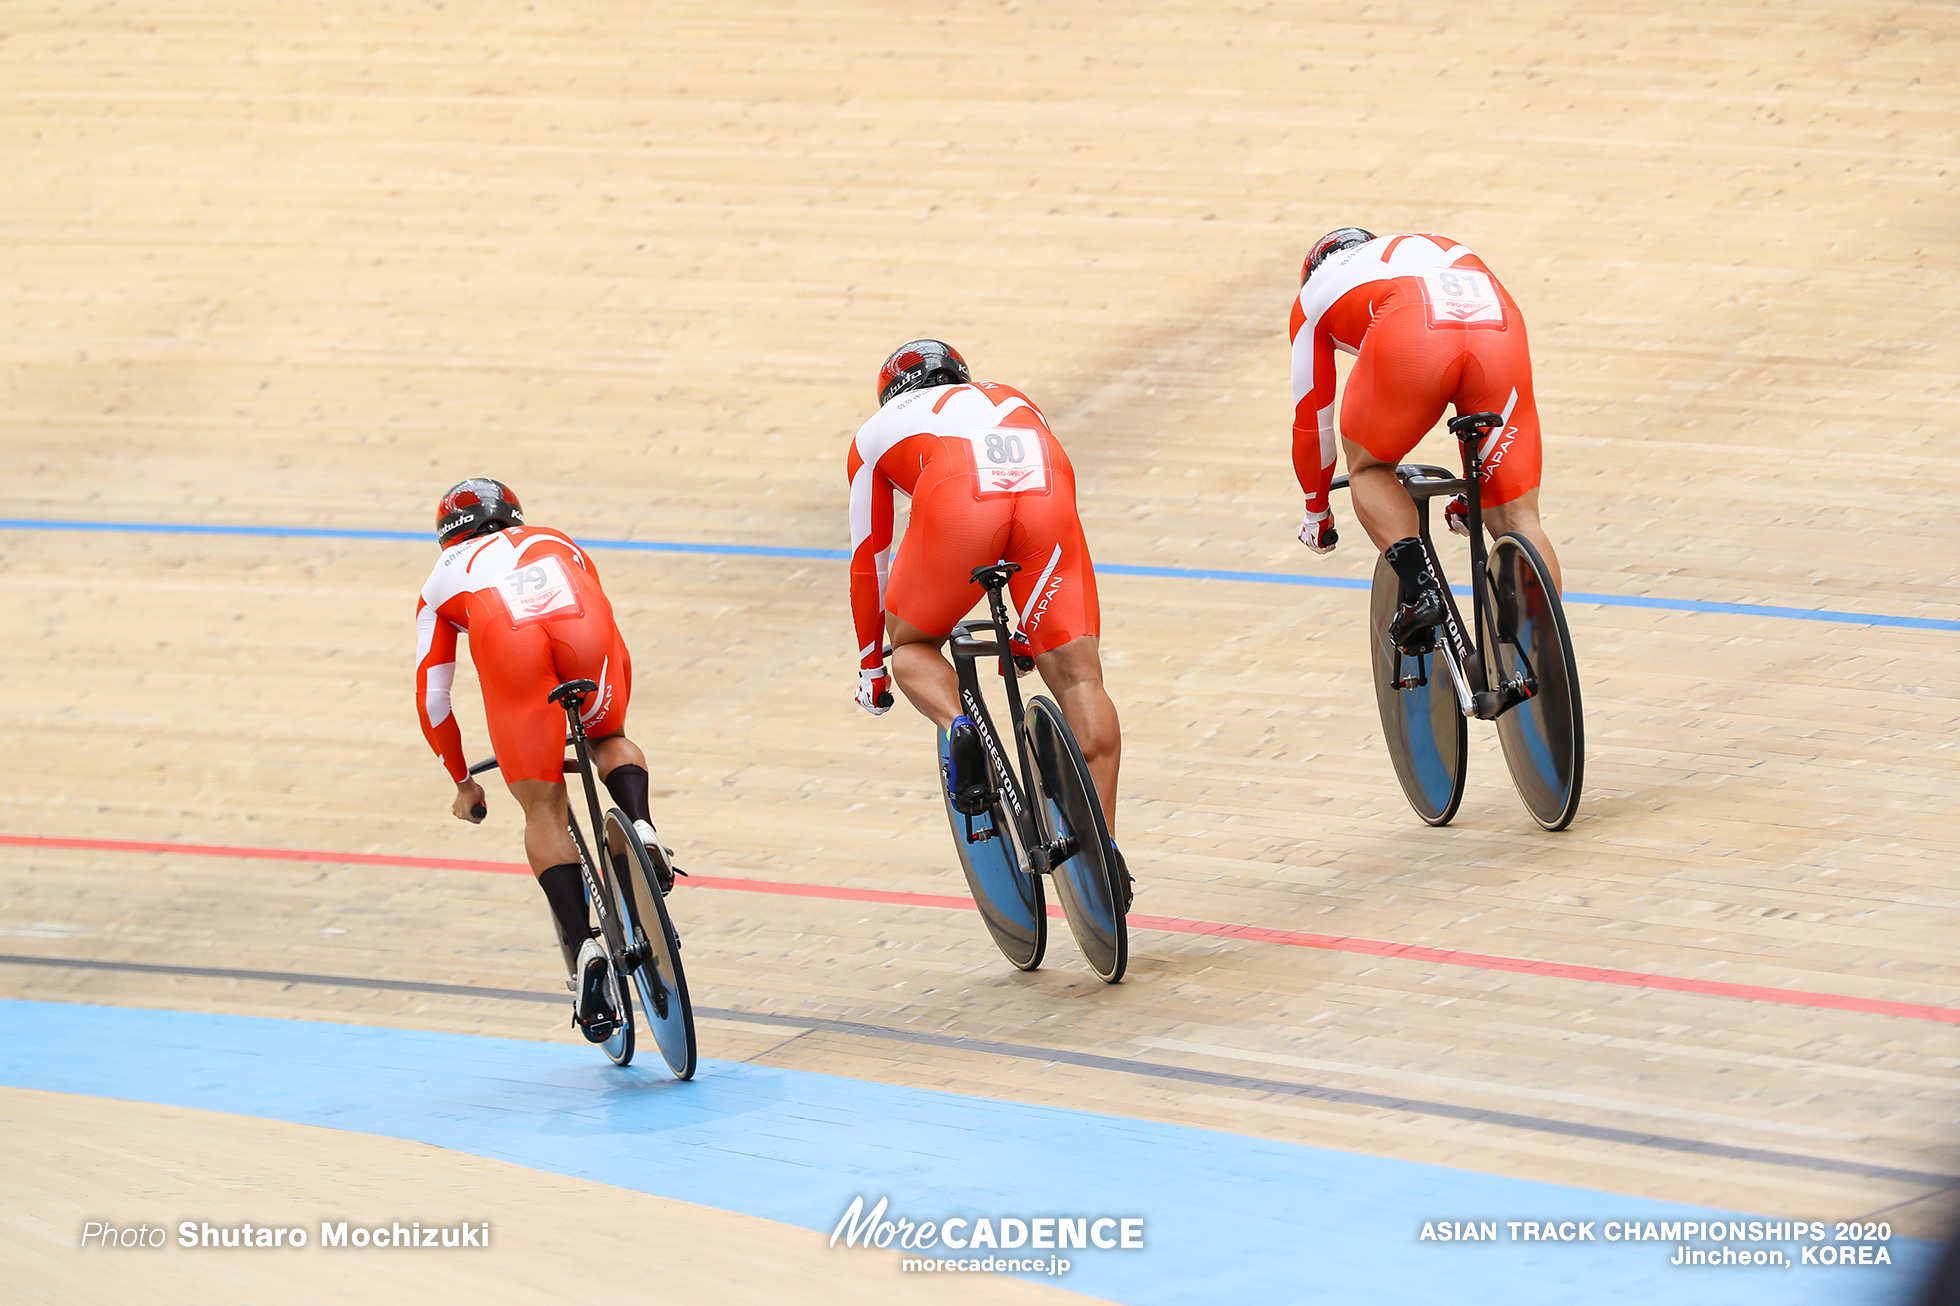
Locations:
(651, 838)
(593, 1010)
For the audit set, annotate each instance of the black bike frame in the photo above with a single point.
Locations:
(1462, 652)
(597, 887)
(1021, 795)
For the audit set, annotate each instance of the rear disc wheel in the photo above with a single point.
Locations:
(1544, 737)
(655, 945)
(1086, 880)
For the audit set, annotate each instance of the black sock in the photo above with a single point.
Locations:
(564, 889)
(628, 786)
(1411, 567)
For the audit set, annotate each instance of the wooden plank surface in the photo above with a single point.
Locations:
(308, 266)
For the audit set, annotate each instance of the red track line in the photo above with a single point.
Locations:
(1169, 924)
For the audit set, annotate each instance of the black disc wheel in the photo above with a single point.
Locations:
(1007, 893)
(1544, 737)
(1428, 739)
(1086, 875)
(653, 945)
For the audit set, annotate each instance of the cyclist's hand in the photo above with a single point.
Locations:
(1317, 531)
(1456, 515)
(469, 804)
(1017, 645)
(874, 690)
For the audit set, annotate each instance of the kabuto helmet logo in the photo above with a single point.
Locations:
(474, 506)
(917, 364)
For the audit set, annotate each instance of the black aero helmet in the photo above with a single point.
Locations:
(474, 506)
(1338, 239)
(917, 364)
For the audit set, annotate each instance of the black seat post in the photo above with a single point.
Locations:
(994, 578)
(1471, 429)
(571, 696)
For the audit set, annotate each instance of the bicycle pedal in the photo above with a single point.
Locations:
(980, 803)
(597, 1030)
(1418, 680)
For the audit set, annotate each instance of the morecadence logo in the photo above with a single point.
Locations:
(880, 1227)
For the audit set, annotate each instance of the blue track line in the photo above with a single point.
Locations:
(1105, 568)
(1227, 1217)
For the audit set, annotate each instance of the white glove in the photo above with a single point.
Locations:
(874, 691)
(1456, 515)
(1317, 531)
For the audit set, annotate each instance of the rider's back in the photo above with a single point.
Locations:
(1355, 286)
(989, 429)
(518, 577)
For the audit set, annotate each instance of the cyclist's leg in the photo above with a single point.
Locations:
(1401, 379)
(546, 841)
(1521, 515)
(931, 587)
(1061, 613)
(924, 676)
(554, 860)
(1497, 379)
(1383, 507)
(591, 648)
(1074, 672)
(517, 671)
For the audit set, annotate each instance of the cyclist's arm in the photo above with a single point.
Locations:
(871, 544)
(435, 672)
(1313, 411)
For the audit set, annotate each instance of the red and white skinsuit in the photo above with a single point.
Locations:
(536, 616)
(1429, 326)
(988, 481)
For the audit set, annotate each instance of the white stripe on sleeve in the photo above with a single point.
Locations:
(435, 701)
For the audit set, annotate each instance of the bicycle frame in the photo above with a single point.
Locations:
(598, 886)
(1020, 794)
(1463, 653)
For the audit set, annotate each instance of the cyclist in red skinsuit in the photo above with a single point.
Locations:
(1430, 326)
(529, 598)
(989, 482)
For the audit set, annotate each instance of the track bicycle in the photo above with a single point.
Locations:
(1513, 665)
(627, 890)
(1047, 821)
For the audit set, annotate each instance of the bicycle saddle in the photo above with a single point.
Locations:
(574, 690)
(994, 575)
(1471, 425)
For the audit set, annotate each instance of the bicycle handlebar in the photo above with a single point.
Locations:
(1420, 480)
(490, 763)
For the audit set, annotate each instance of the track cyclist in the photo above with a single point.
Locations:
(1429, 325)
(530, 601)
(989, 482)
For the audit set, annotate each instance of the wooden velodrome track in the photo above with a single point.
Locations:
(305, 266)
